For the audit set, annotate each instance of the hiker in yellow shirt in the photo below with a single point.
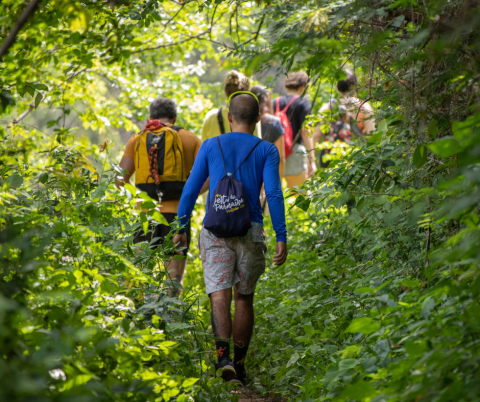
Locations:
(216, 120)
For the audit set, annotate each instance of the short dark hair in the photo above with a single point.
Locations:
(163, 108)
(244, 109)
(346, 85)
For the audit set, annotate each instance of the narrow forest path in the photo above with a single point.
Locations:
(248, 395)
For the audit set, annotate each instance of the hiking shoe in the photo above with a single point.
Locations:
(240, 377)
(228, 372)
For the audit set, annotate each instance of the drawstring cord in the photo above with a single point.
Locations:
(153, 162)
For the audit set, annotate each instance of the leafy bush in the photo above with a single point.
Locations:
(83, 315)
(379, 299)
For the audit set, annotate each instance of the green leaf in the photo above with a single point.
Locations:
(359, 391)
(411, 283)
(388, 162)
(308, 328)
(302, 202)
(148, 205)
(40, 87)
(15, 180)
(432, 129)
(348, 364)
(416, 349)
(365, 290)
(463, 130)
(6, 99)
(188, 383)
(375, 139)
(131, 189)
(38, 99)
(30, 90)
(382, 126)
(159, 217)
(420, 156)
(427, 307)
(365, 325)
(445, 147)
(43, 178)
(293, 359)
(143, 195)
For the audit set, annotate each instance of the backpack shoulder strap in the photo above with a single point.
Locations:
(221, 153)
(277, 105)
(294, 98)
(220, 122)
(253, 149)
(176, 128)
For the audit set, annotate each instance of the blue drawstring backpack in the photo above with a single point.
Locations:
(229, 211)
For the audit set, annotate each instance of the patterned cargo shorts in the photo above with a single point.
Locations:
(236, 261)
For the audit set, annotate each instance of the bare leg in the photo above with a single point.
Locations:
(243, 320)
(242, 326)
(221, 318)
(178, 271)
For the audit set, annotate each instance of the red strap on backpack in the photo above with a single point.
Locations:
(282, 115)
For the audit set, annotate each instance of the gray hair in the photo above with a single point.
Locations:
(163, 108)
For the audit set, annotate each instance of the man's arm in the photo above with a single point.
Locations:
(196, 182)
(193, 186)
(276, 203)
(205, 186)
(128, 166)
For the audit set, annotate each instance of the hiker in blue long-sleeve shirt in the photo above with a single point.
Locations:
(239, 261)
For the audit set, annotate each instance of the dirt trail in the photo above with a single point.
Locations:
(248, 395)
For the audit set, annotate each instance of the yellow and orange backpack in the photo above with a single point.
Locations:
(160, 164)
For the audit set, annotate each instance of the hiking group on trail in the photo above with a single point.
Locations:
(248, 146)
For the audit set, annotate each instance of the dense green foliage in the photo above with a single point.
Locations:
(379, 299)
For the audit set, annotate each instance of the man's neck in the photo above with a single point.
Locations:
(298, 91)
(242, 128)
(164, 120)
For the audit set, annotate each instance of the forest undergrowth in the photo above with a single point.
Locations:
(377, 301)
(379, 298)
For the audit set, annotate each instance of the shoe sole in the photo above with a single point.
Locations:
(235, 381)
(228, 373)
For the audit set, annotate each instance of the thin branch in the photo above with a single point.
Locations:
(31, 107)
(213, 19)
(172, 18)
(198, 36)
(12, 35)
(255, 35)
(21, 117)
(218, 43)
(69, 79)
(360, 107)
(391, 75)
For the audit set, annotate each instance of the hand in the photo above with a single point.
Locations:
(180, 240)
(280, 254)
